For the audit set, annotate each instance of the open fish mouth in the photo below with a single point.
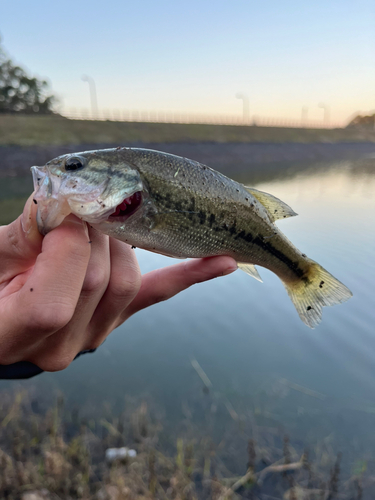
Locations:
(127, 207)
(59, 195)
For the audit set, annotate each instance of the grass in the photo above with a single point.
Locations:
(10, 209)
(54, 453)
(25, 130)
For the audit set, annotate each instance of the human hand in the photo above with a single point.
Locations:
(65, 292)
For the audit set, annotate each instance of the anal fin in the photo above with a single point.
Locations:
(250, 269)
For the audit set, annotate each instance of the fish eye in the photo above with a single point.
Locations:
(73, 163)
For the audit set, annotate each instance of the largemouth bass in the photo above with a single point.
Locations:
(180, 208)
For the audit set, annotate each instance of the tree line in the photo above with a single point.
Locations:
(20, 92)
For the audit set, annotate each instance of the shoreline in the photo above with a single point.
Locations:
(229, 158)
(34, 130)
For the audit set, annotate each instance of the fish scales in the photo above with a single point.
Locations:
(204, 213)
(181, 208)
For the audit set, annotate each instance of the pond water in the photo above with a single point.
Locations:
(246, 336)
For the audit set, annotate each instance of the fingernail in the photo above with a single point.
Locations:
(72, 219)
(230, 270)
(27, 216)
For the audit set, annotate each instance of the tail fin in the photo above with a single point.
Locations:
(317, 290)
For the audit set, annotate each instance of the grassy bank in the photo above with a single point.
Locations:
(52, 452)
(55, 130)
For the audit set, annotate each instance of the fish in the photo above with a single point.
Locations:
(181, 208)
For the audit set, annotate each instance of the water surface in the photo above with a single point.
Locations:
(247, 337)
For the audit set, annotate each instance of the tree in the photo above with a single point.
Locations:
(362, 122)
(20, 93)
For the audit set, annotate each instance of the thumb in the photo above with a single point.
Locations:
(20, 243)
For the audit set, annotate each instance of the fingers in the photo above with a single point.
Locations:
(20, 243)
(163, 284)
(60, 269)
(47, 301)
(61, 348)
(71, 294)
(124, 284)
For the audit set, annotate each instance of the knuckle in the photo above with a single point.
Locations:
(95, 280)
(125, 288)
(95, 343)
(55, 363)
(49, 318)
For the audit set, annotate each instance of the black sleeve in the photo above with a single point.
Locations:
(25, 369)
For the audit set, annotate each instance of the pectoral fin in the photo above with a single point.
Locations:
(251, 270)
(276, 208)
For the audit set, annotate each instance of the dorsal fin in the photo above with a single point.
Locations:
(250, 269)
(276, 208)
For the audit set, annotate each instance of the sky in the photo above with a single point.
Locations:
(194, 57)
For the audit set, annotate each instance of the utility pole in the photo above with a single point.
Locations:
(326, 113)
(245, 107)
(93, 97)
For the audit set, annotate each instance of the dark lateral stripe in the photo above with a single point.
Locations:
(242, 235)
(268, 247)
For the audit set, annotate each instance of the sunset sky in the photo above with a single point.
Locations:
(195, 56)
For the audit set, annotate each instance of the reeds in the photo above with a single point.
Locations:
(50, 453)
